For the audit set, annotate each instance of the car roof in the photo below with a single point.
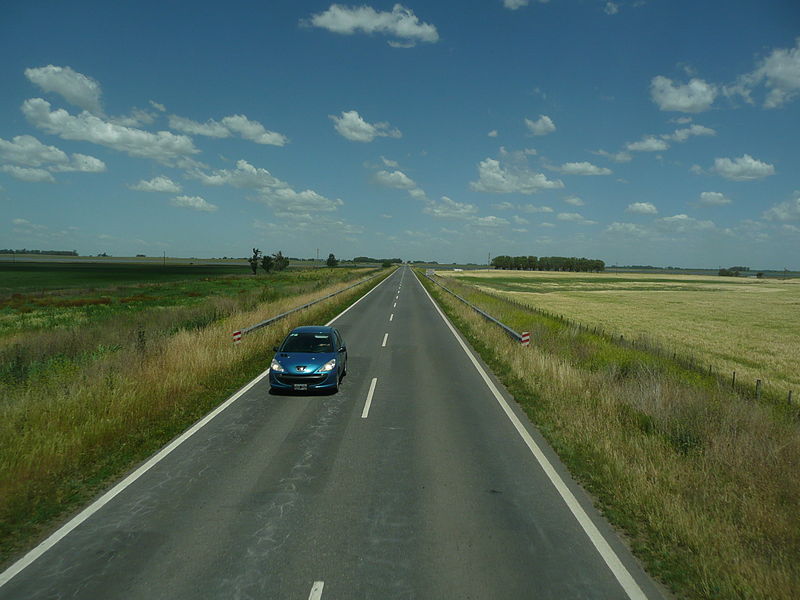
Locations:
(313, 329)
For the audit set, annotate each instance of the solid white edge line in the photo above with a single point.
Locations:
(385, 337)
(316, 590)
(368, 403)
(87, 512)
(607, 553)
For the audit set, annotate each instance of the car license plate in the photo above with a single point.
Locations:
(300, 387)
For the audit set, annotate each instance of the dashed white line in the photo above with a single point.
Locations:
(394, 305)
(385, 337)
(368, 403)
(316, 590)
(391, 316)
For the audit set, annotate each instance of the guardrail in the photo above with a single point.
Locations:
(523, 337)
(237, 335)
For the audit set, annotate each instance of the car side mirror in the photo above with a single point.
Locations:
(342, 349)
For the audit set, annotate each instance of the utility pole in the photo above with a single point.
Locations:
(165, 258)
(316, 262)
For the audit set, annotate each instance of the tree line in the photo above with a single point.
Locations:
(548, 263)
(48, 252)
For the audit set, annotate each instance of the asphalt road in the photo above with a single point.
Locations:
(412, 482)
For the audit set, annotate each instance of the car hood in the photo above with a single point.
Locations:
(303, 362)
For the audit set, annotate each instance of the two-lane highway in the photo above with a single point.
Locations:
(414, 481)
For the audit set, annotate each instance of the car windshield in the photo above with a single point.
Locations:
(307, 342)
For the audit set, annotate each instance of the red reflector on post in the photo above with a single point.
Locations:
(526, 338)
(237, 337)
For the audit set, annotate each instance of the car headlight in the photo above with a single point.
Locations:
(328, 366)
(276, 366)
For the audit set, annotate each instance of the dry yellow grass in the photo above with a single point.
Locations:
(745, 325)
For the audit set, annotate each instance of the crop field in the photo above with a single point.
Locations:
(746, 325)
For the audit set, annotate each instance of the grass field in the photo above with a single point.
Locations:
(702, 480)
(84, 397)
(746, 325)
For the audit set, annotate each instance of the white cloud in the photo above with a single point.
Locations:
(157, 184)
(611, 8)
(630, 229)
(450, 209)
(28, 174)
(233, 124)
(390, 163)
(681, 135)
(351, 126)
(157, 106)
(642, 208)
(520, 220)
(683, 224)
(27, 151)
(542, 126)
(193, 202)
(271, 191)
(395, 179)
(503, 206)
(75, 88)
(493, 133)
(583, 168)
(574, 201)
(490, 221)
(619, 157)
(575, 218)
(515, 4)
(162, 146)
(400, 23)
(493, 178)
(785, 211)
(744, 168)
(779, 73)
(693, 97)
(647, 144)
(532, 208)
(714, 199)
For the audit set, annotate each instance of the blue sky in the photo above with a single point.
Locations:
(647, 132)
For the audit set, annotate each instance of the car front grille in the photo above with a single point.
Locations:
(309, 379)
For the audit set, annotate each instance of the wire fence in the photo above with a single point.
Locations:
(755, 390)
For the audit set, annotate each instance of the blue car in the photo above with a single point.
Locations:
(310, 358)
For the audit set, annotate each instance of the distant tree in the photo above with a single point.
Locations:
(253, 260)
(728, 272)
(267, 262)
(386, 264)
(332, 261)
(281, 262)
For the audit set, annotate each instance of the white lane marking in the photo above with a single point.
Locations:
(58, 535)
(316, 590)
(607, 553)
(394, 305)
(391, 316)
(368, 403)
(110, 494)
(385, 337)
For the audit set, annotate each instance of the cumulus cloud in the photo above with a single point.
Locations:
(619, 157)
(515, 4)
(400, 23)
(693, 97)
(496, 179)
(574, 201)
(157, 184)
(193, 202)
(490, 221)
(233, 124)
(642, 208)
(532, 208)
(629, 229)
(493, 133)
(273, 192)
(779, 73)
(744, 168)
(647, 144)
(574, 217)
(683, 224)
(162, 146)
(28, 174)
(611, 8)
(785, 211)
(582, 168)
(75, 88)
(353, 127)
(26, 151)
(398, 180)
(542, 126)
(714, 199)
(447, 208)
(681, 135)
